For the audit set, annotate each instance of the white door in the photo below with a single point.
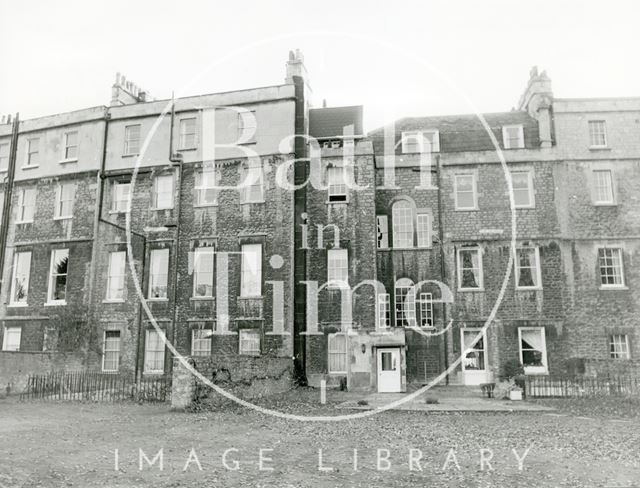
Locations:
(474, 360)
(389, 378)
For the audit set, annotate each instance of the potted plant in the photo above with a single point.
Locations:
(513, 380)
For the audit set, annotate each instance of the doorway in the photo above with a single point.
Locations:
(389, 374)
(474, 361)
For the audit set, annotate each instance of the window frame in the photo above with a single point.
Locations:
(157, 254)
(404, 310)
(57, 213)
(29, 163)
(406, 136)
(65, 148)
(200, 187)
(12, 301)
(115, 200)
(341, 257)
(197, 352)
(459, 271)
(105, 351)
(608, 286)
(474, 191)
(334, 351)
(382, 231)
(156, 194)
(242, 126)
(538, 270)
(127, 149)
(183, 134)
(4, 157)
(160, 350)
(400, 221)
(52, 278)
(111, 276)
(6, 335)
(244, 284)
(197, 251)
(333, 195)
(534, 370)
(243, 339)
(597, 187)
(21, 205)
(424, 242)
(530, 189)
(383, 311)
(425, 302)
(613, 344)
(505, 138)
(591, 124)
(245, 190)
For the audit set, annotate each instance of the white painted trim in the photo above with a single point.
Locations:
(544, 369)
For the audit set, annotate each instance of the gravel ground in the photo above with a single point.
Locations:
(582, 444)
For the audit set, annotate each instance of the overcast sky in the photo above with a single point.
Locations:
(395, 58)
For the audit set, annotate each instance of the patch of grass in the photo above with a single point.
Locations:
(431, 400)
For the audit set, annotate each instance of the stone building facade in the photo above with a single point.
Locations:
(436, 267)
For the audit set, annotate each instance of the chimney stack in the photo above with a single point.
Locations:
(126, 92)
(296, 67)
(537, 100)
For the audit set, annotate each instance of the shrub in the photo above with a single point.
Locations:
(512, 369)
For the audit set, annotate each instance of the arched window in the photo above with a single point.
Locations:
(402, 215)
(405, 301)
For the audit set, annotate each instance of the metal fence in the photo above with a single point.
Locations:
(545, 386)
(96, 386)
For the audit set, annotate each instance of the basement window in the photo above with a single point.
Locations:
(619, 346)
(249, 342)
(11, 339)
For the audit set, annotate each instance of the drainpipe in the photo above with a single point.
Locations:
(175, 158)
(443, 268)
(8, 192)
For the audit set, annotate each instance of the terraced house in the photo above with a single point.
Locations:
(406, 269)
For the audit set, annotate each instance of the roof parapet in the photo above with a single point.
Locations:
(125, 92)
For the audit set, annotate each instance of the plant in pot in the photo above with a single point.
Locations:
(512, 380)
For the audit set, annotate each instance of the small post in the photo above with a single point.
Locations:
(323, 392)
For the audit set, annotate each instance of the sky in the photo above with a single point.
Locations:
(397, 58)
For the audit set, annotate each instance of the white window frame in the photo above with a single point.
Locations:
(159, 277)
(423, 230)
(474, 191)
(251, 287)
(253, 173)
(480, 283)
(31, 160)
(198, 252)
(118, 275)
(69, 197)
(158, 351)
(537, 269)
(337, 185)
(405, 303)
(619, 349)
(26, 255)
(131, 144)
(426, 310)
(592, 133)
(530, 193)
(600, 267)
(121, 203)
(337, 268)
(9, 344)
(185, 134)
(24, 216)
(247, 341)
(107, 349)
(201, 346)
(66, 147)
(382, 229)
(506, 140)
(403, 225)
(610, 198)
(418, 137)
(158, 202)
(4, 158)
(53, 275)
(383, 309)
(534, 370)
(203, 185)
(333, 351)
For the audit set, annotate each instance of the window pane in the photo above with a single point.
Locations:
(337, 347)
(424, 230)
(164, 192)
(402, 215)
(251, 270)
(203, 271)
(469, 265)
(338, 265)
(116, 276)
(532, 347)
(465, 191)
(58, 275)
(159, 273)
(20, 281)
(610, 263)
(111, 350)
(603, 186)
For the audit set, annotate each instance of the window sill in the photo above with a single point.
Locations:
(186, 149)
(24, 222)
(153, 373)
(24, 168)
(542, 371)
(333, 202)
(599, 148)
(133, 155)
(55, 304)
(4, 170)
(524, 207)
(205, 205)
(17, 305)
(202, 299)
(116, 212)
(249, 203)
(157, 300)
(247, 143)
(605, 204)
(153, 209)
(110, 371)
(63, 218)
(224, 333)
(467, 290)
(528, 288)
(613, 287)
(470, 209)
(113, 301)
(65, 161)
